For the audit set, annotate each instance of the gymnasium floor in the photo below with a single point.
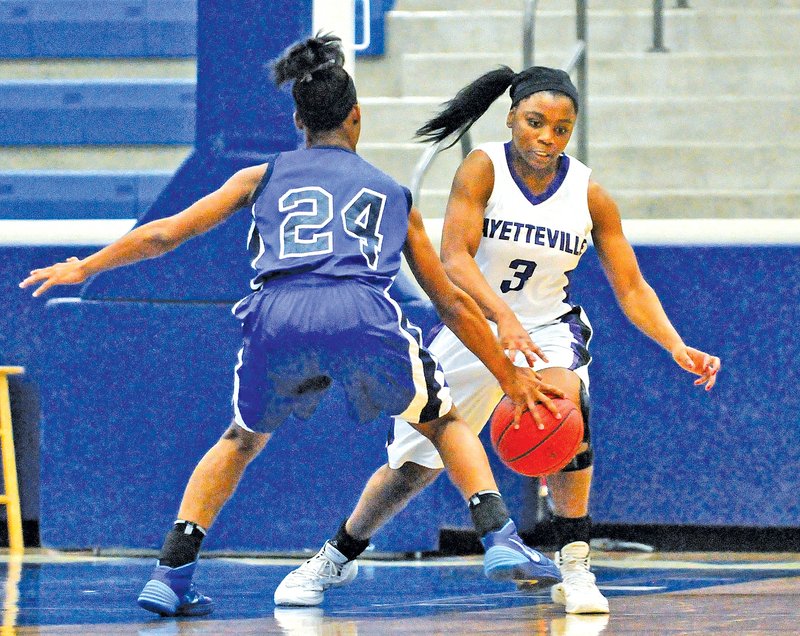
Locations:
(660, 593)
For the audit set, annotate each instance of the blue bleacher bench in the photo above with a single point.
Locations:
(79, 195)
(61, 112)
(98, 28)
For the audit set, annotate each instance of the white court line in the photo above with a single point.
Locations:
(694, 565)
(97, 232)
(474, 561)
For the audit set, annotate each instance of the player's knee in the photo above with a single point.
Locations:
(411, 477)
(584, 458)
(245, 443)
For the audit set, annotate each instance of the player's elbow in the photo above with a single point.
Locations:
(159, 237)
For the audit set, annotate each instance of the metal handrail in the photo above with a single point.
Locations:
(529, 32)
(658, 24)
(427, 159)
(577, 62)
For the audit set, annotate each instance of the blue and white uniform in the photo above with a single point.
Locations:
(327, 236)
(530, 246)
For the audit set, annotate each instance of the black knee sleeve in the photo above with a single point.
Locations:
(584, 459)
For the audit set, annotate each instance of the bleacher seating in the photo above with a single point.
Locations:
(97, 28)
(110, 112)
(79, 195)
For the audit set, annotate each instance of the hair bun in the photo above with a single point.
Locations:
(300, 61)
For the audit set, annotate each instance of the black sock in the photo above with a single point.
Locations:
(489, 512)
(346, 544)
(182, 544)
(569, 529)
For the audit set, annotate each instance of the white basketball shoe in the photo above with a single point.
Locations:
(306, 585)
(578, 591)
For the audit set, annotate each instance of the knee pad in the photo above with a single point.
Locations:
(581, 461)
(584, 459)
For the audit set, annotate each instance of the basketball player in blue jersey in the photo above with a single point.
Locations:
(519, 217)
(327, 236)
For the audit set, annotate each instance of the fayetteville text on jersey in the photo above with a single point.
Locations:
(537, 234)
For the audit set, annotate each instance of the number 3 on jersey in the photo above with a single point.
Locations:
(310, 210)
(523, 270)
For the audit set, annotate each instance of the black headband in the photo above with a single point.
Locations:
(542, 78)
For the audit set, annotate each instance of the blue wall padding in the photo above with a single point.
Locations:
(136, 393)
(98, 28)
(110, 112)
(79, 195)
(134, 460)
(239, 109)
(22, 341)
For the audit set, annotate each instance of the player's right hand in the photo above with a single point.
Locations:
(526, 389)
(514, 339)
(70, 272)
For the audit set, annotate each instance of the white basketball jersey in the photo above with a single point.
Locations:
(531, 244)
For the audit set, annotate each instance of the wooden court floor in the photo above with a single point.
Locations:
(660, 593)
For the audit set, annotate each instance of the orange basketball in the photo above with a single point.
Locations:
(526, 449)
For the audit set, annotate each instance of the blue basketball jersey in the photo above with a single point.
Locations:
(328, 211)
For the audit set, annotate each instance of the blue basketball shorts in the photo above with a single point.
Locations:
(303, 333)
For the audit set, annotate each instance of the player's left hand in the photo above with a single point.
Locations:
(699, 363)
(70, 272)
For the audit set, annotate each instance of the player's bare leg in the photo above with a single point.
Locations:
(464, 457)
(170, 590)
(218, 473)
(387, 492)
(569, 492)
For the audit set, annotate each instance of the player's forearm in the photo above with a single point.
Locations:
(464, 318)
(466, 274)
(643, 308)
(145, 242)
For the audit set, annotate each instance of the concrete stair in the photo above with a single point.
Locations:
(707, 129)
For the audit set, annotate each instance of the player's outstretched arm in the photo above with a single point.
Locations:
(155, 238)
(462, 314)
(635, 296)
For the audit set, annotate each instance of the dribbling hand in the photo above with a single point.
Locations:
(527, 389)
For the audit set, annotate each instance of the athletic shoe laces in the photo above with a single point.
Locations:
(576, 573)
(316, 568)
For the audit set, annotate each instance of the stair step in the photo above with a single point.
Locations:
(593, 5)
(658, 166)
(635, 74)
(94, 69)
(668, 204)
(93, 157)
(609, 31)
(621, 120)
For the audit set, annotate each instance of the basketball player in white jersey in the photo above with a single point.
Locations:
(519, 217)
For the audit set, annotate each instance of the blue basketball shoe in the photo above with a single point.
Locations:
(170, 592)
(507, 558)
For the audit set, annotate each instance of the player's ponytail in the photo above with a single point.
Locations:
(322, 89)
(472, 101)
(469, 104)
